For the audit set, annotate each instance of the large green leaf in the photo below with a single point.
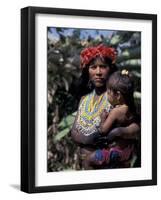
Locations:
(65, 126)
(67, 121)
(130, 64)
(61, 134)
(130, 53)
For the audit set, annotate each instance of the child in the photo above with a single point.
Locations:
(120, 95)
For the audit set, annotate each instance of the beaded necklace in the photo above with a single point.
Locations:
(89, 112)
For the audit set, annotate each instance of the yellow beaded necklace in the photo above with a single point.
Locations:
(89, 112)
(94, 103)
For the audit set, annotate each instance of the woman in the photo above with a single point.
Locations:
(97, 64)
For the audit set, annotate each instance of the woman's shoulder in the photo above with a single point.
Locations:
(82, 100)
(86, 96)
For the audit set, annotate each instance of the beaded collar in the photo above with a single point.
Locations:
(89, 113)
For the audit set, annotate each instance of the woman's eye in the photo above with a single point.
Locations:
(93, 67)
(100, 66)
(103, 66)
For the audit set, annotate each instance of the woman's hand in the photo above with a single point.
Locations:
(130, 132)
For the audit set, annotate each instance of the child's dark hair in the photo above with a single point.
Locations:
(123, 82)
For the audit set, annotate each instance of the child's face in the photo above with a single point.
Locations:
(112, 97)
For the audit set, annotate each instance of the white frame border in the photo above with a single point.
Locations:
(42, 178)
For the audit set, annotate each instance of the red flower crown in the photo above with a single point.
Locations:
(91, 52)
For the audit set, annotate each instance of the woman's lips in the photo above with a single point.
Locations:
(99, 79)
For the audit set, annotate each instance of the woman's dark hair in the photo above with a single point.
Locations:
(84, 86)
(123, 83)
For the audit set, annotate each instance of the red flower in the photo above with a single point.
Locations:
(91, 52)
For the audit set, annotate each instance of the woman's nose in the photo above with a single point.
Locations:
(98, 70)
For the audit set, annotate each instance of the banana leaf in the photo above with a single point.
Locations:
(64, 126)
(129, 53)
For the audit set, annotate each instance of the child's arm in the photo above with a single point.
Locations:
(104, 115)
(107, 125)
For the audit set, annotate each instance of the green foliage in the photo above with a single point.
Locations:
(64, 127)
(64, 47)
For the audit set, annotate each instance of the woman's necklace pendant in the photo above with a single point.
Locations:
(95, 102)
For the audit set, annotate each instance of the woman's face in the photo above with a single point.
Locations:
(98, 73)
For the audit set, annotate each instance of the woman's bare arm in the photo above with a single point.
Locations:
(74, 131)
(76, 136)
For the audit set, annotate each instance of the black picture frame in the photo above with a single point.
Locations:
(28, 90)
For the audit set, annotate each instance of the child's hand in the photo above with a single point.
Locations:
(104, 115)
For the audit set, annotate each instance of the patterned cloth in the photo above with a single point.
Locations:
(115, 154)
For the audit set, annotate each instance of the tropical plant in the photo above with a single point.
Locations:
(64, 46)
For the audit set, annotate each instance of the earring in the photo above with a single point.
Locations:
(89, 85)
